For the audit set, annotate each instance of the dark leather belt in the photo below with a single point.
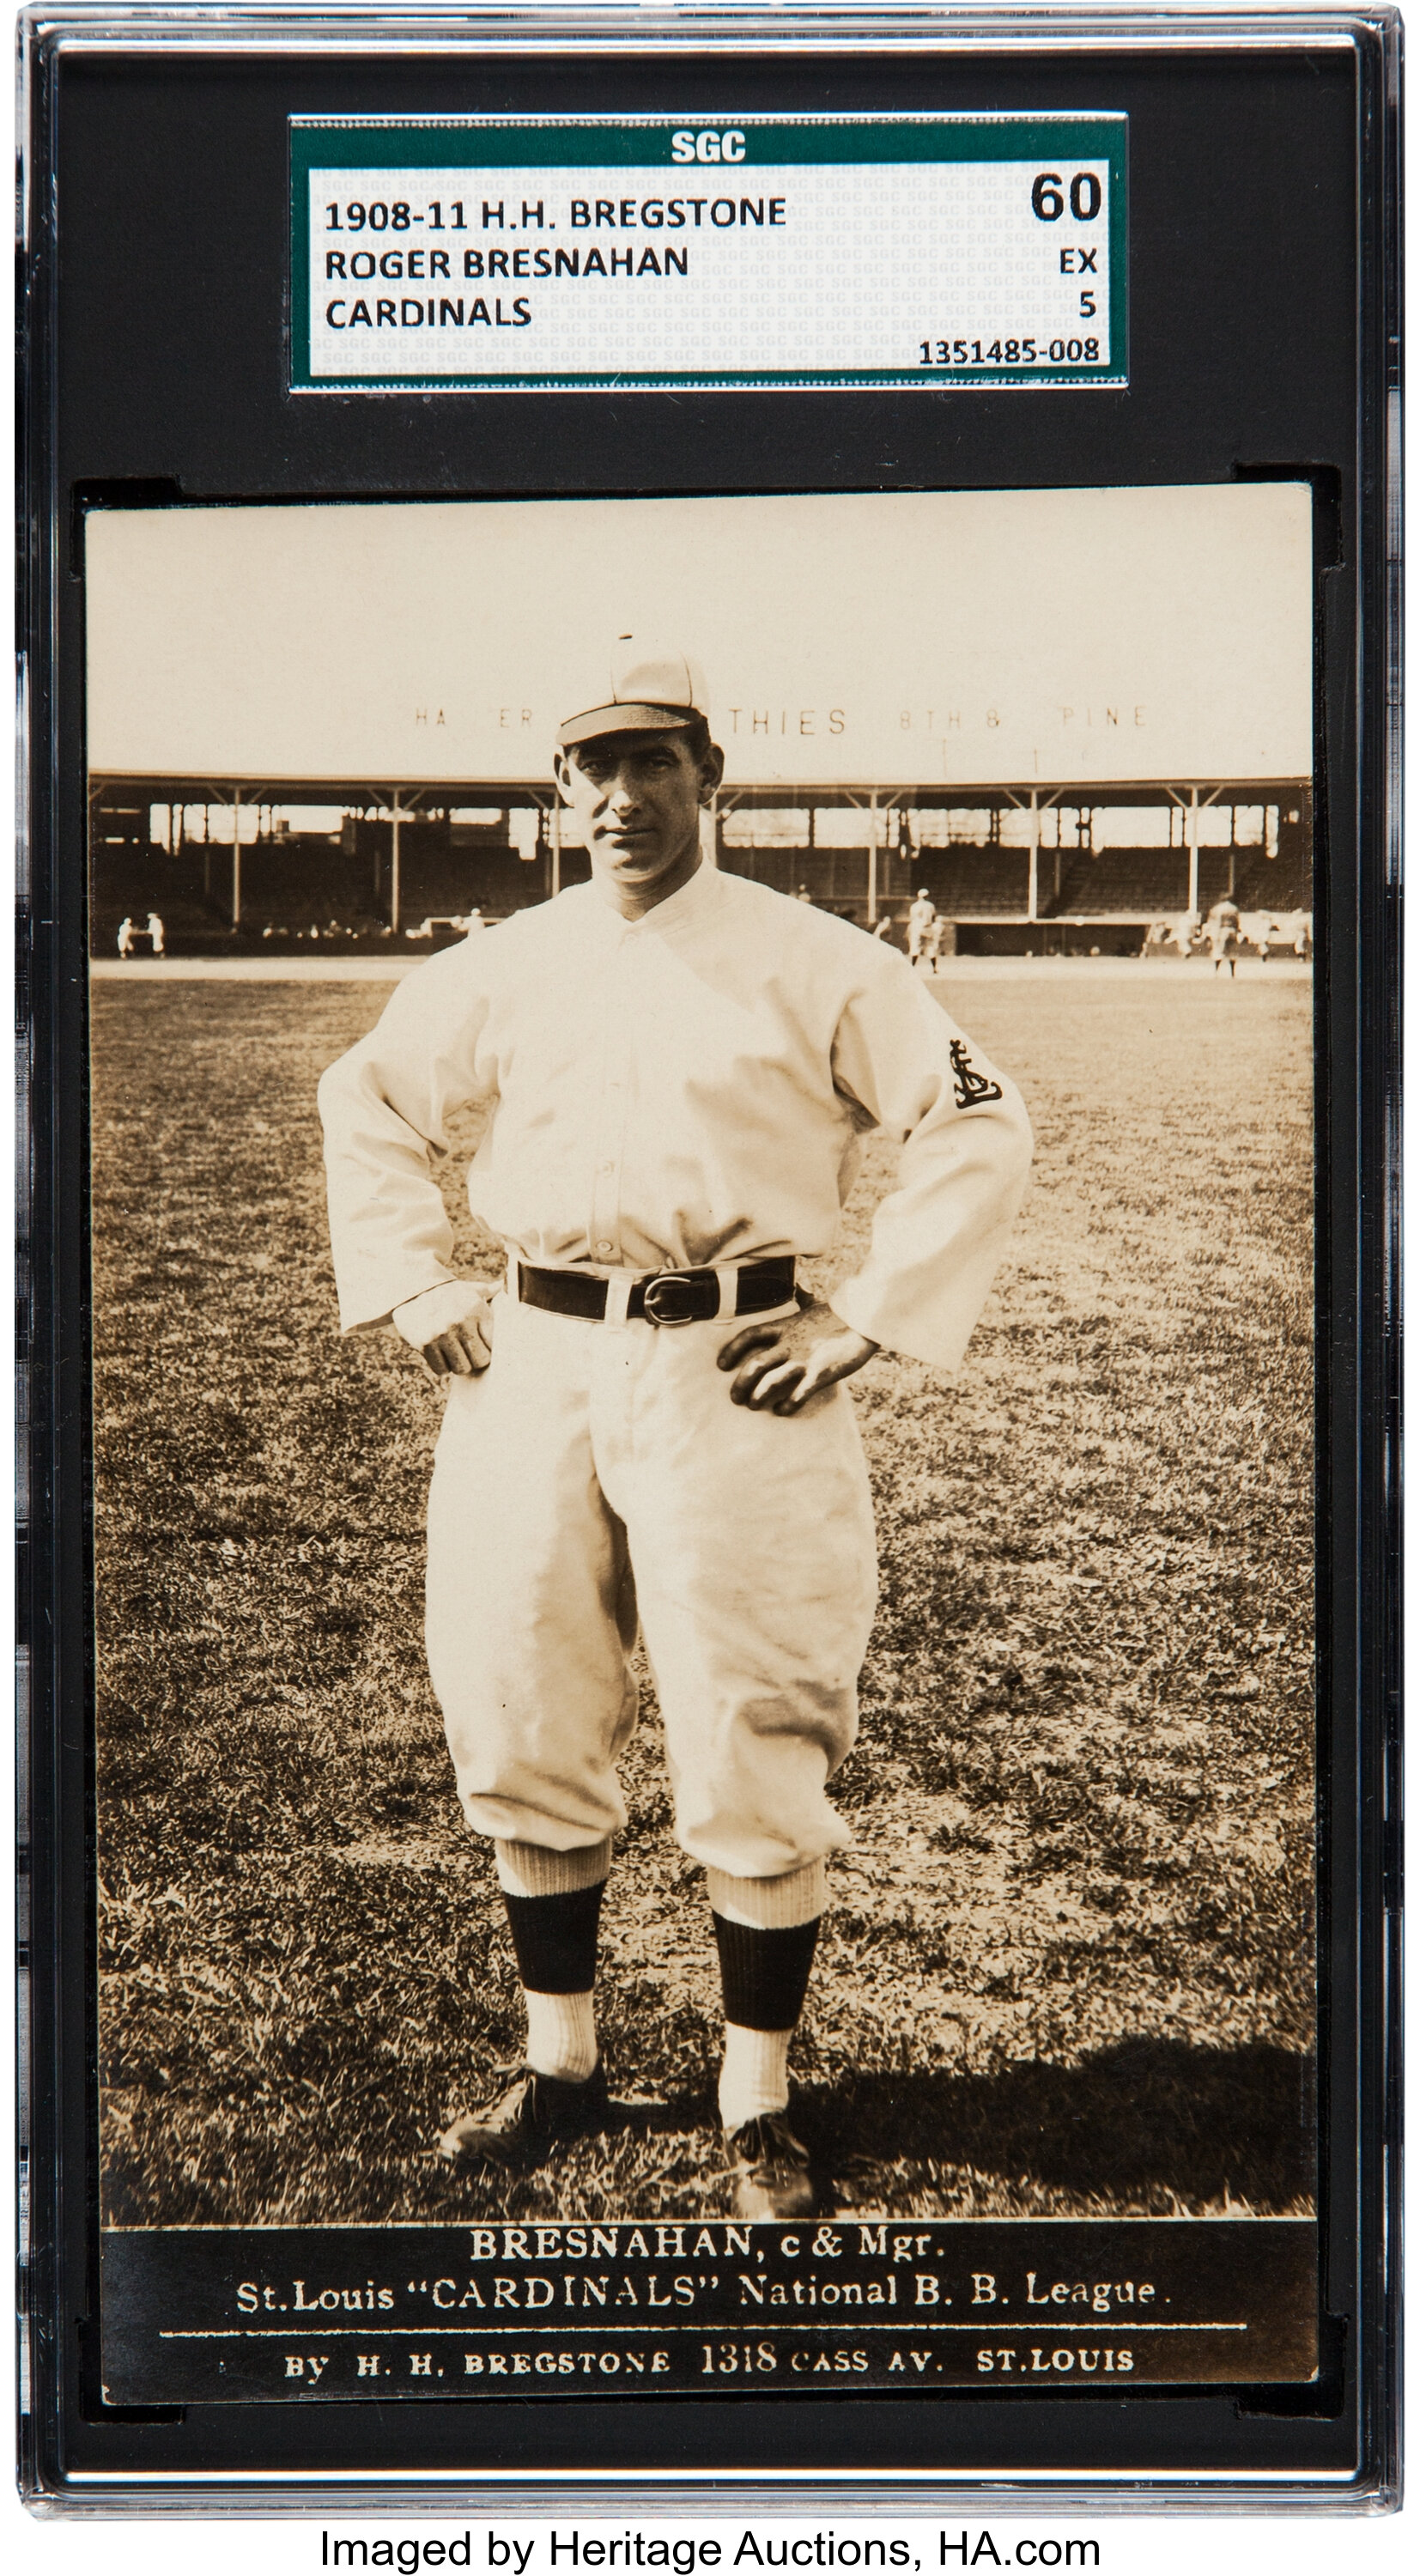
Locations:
(663, 1297)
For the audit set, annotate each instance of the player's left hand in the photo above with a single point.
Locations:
(781, 1365)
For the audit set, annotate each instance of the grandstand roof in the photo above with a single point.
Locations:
(255, 788)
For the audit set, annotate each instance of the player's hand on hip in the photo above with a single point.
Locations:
(781, 1365)
(451, 1327)
(464, 1350)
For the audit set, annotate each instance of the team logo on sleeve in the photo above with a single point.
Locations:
(972, 1087)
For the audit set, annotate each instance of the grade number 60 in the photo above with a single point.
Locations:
(1048, 202)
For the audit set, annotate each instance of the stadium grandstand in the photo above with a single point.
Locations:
(235, 865)
(1080, 720)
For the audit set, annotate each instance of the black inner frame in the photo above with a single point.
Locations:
(156, 363)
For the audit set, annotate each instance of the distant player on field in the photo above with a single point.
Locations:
(1224, 935)
(919, 922)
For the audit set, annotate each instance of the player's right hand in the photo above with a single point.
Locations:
(451, 1327)
(463, 1350)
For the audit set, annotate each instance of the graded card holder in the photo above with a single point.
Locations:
(618, 1909)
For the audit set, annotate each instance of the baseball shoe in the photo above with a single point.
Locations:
(522, 2124)
(771, 2169)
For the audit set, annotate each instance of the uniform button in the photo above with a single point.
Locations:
(603, 1247)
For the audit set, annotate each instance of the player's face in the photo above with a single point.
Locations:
(638, 797)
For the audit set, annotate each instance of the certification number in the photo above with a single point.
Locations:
(1009, 353)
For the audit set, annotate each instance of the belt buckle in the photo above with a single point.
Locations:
(678, 1297)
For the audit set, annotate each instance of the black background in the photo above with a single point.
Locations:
(157, 365)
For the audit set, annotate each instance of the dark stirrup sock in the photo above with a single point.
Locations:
(764, 1975)
(555, 1939)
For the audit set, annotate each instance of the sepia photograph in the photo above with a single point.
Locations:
(702, 1304)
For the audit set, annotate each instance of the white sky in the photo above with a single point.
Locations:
(1141, 633)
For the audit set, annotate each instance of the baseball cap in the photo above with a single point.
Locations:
(639, 688)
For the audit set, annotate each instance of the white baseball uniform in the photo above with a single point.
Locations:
(920, 917)
(688, 1090)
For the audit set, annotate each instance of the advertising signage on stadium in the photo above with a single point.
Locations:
(959, 639)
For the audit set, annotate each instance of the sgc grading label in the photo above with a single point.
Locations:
(516, 254)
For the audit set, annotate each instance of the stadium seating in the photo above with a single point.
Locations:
(963, 883)
(835, 878)
(307, 881)
(341, 889)
(1283, 884)
(1116, 881)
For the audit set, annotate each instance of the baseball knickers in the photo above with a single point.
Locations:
(596, 1477)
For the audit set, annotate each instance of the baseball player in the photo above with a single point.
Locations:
(1224, 935)
(647, 1428)
(920, 918)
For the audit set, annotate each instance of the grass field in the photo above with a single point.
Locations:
(1068, 1966)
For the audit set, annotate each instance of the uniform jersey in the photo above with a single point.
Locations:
(688, 1089)
(919, 921)
(1223, 931)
